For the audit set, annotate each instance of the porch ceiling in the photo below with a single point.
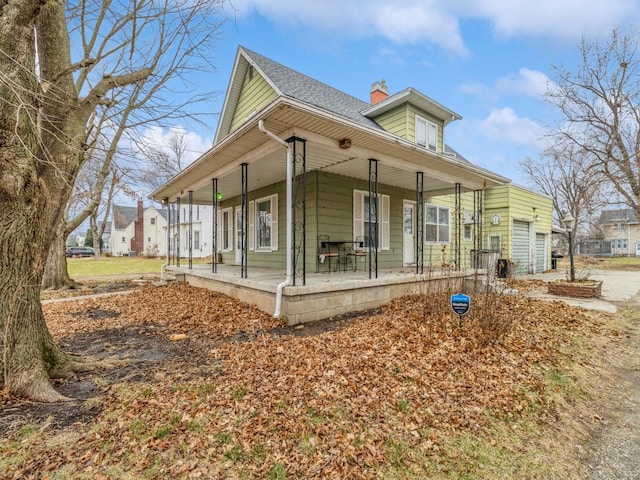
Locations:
(398, 160)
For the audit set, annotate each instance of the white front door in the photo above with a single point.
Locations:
(637, 249)
(409, 229)
(238, 232)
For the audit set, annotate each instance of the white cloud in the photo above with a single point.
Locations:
(526, 82)
(437, 21)
(157, 137)
(503, 125)
(411, 22)
(563, 19)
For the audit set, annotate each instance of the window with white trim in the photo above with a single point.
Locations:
(364, 217)
(426, 133)
(265, 224)
(437, 224)
(227, 230)
(619, 244)
(468, 233)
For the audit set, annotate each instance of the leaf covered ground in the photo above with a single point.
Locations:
(380, 395)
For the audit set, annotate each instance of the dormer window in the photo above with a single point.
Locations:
(426, 133)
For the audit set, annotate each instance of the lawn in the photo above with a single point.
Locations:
(109, 266)
(400, 393)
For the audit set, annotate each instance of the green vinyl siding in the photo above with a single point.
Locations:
(401, 121)
(396, 121)
(256, 94)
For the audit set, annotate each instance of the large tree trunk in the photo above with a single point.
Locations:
(28, 354)
(36, 175)
(56, 275)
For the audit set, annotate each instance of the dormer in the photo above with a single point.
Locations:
(411, 115)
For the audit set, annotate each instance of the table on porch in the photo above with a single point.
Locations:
(343, 248)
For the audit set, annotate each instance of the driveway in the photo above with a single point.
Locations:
(612, 453)
(617, 286)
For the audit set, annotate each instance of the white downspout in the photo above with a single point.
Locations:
(289, 275)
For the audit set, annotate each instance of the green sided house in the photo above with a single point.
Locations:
(324, 203)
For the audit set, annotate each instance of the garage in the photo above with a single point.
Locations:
(541, 252)
(521, 251)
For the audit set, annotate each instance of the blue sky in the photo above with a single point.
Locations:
(488, 60)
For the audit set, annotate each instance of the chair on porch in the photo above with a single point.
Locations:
(357, 250)
(324, 252)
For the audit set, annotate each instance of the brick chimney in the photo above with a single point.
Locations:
(137, 242)
(378, 92)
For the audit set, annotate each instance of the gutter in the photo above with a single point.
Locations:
(289, 275)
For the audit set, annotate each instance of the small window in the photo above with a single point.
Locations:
(124, 239)
(468, 233)
(436, 224)
(426, 133)
(153, 220)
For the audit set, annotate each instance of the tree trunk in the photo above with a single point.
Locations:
(56, 276)
(28, 354)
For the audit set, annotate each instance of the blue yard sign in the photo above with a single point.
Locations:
(460, 304)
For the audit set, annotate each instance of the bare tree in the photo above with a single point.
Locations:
(159, 164)
(600, 106)
(565, 173)
(124, 110)
(49, 105)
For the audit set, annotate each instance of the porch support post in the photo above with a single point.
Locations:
(419, 222)
(244, 206)
(190, 229)
(178, 232)
(214, 220)
(477, 228)
(298, 246)
(166, 204)
(457, 228)
(374, 228)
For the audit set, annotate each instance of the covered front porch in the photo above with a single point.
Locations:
(323, 295)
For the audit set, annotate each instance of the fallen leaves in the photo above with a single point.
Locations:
(340, 404)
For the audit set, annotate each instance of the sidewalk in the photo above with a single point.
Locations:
(617, 286)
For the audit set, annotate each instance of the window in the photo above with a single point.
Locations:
(124, 239)
(426, 133)
(364, 216)
(152, 220)
(468, 233)
(227, 230)
(495, 242)
(196, 240)
(436, 224)
(263, 226)
(619, 244)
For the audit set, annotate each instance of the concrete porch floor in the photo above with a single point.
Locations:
(325, 294)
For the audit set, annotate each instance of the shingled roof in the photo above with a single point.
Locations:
(296, 85)
(123, 216)
(617, 216)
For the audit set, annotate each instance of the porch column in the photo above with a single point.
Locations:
(477, 227)
(214, 219)
(190, 229)
(298, 212)
(457, 228)
(244, 206)
(167, 205)
(178, 232)
(419, 222)
(374, 228)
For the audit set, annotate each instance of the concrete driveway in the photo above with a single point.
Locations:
(617, 287)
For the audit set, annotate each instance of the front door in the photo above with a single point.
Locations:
(238, 232)
(637, 249)
(409, 229)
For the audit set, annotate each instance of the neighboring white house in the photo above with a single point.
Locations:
(138, 231)
(201, 233)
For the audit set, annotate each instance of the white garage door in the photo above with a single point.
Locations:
(521, 250)
(541, 252)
